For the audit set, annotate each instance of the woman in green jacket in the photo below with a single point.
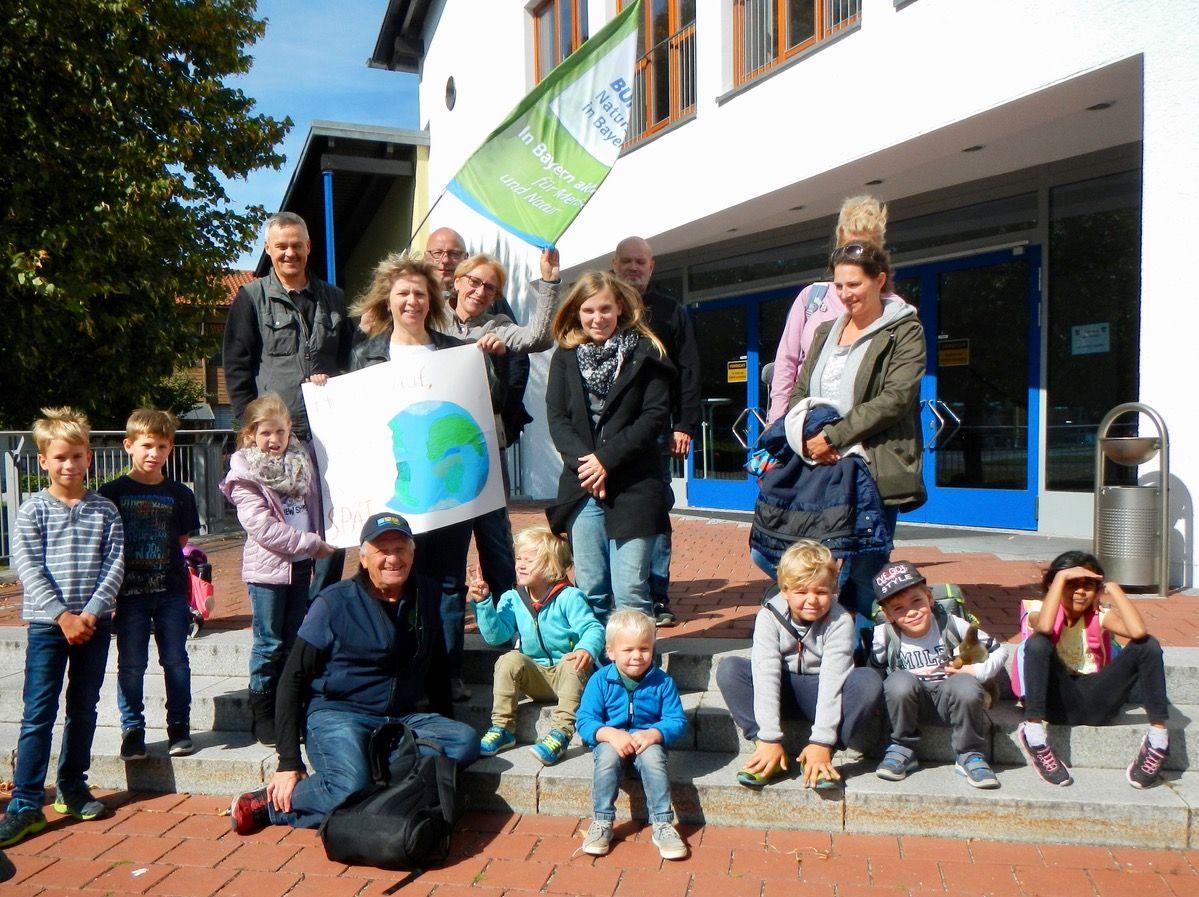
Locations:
(868, 363)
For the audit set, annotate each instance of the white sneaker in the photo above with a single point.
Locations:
(598, 840)
(669, 842)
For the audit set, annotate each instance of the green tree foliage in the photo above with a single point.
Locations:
(114, 225)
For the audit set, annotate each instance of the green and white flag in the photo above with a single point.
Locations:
(536, 171)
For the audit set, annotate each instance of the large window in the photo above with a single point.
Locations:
(1094, 319)
(664, 80)
(559, 28)
(765, 32)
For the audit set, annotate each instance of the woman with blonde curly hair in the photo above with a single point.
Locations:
(406, 313)
(607, 401)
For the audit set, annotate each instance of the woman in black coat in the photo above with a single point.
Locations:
(607, 401)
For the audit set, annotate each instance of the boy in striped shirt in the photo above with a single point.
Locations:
(68, 553)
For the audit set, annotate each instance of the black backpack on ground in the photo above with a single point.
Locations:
(404, 819)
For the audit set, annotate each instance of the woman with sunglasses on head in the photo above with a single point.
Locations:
(868, 363)
(862, 220)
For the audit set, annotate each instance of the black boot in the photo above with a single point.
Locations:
(262, 706)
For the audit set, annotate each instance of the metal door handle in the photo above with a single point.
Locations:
(953, 419)
(744, 440)
(941, 425)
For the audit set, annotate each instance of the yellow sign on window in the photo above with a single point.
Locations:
(736, 371)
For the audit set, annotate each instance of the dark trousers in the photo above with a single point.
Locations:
(958, 700)
(860, 697)
(1051, 693)
(441, 556)
(497, 558)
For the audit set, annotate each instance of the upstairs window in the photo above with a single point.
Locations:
(559, 28)
(664, 79)
(765, 32)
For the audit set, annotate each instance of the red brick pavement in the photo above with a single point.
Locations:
(715, 589)
(193, 854)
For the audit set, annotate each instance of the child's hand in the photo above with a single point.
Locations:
(76, 627)
(477, 589)
(621, 741)
(817, 763)
(974, 669)
(579, 660)
(1078, 573)
(643, 738)
(766, 759)
(323, 551)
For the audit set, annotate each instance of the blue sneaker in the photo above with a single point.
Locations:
(494, 740)
(551, 748)
(897, 762)
(977, 771)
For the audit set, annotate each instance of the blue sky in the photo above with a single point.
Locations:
(311, 65)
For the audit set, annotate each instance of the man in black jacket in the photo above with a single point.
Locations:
(633, 262)
(370, 651)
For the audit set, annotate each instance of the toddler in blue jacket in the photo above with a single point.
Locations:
(560, 641)
(630, 712)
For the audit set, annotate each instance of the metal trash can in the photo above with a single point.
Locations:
(1132, 523)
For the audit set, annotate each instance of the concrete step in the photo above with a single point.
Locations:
(691, 662)
(1100, 808)
(218, 702)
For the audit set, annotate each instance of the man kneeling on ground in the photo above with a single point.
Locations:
(370, 651)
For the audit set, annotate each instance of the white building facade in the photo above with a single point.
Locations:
(1039, 163)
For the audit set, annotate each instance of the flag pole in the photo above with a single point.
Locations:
(416, 230)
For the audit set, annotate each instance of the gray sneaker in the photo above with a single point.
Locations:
(897, 762)
(598, 840)
(977, 771)
(669, 842)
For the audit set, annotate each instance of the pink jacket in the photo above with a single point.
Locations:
(271, 544)
(807, 313)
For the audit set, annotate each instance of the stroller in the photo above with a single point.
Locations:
(202, 598)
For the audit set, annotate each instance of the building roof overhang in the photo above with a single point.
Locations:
(400, 46)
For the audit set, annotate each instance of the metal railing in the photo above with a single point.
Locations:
(198, 461)
(765, 32)
(663, 85)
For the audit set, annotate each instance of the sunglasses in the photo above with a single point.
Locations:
(854, 252)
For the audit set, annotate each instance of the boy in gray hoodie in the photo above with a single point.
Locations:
(800, 666)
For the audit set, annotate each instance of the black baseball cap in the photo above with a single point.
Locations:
(385, 522)
(896, 577)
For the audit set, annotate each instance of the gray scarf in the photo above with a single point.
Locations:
(288, 474)
(600, 362)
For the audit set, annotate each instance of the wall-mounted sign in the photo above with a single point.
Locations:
(953, 353)
(1090, 339)
(737, 371)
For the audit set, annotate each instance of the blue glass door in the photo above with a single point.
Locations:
(980, 395)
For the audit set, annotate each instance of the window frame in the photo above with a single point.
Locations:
(821, 33)
(578, 23)
(675, 27)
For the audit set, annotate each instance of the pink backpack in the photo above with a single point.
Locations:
(1099, 641)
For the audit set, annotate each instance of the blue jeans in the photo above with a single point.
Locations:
(170, 617)
(650, 765)
(48, 658)
(497, 558)
(277, 611)
(855, 584)
(338, 742)
(441, 556)
(613, 573)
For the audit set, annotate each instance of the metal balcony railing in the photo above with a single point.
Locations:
(765, 32)
(663, 85)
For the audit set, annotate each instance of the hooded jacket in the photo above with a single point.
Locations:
(271, 544)
(878, 398)
(826, 651)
